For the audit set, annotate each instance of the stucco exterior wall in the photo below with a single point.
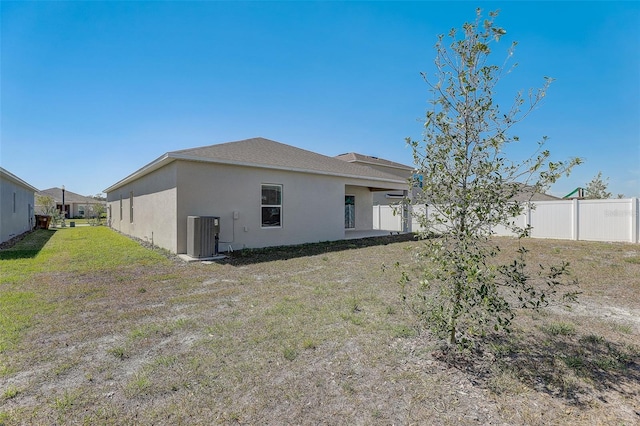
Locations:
(381, 198)
(16, 209)
(76, 207)
(154, 208)
(312, 205)
(364, 213)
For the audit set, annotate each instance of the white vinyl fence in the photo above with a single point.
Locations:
(588, 220)
(385, 218)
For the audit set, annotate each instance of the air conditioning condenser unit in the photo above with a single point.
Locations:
(203, 233)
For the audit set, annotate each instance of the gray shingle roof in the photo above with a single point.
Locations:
(69, 197)
(266, 153)
(528, 193)
(360, 158)
(263, 152)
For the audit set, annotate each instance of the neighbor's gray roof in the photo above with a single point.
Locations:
(265, 153)
(528, 193)
(368, 159)
(536, 196)
(69, 197)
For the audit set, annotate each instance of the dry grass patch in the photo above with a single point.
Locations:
(300, 335)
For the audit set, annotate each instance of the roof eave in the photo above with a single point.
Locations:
(391, 166)
(288, 169)
(16, 179)
(172, 156)
(145, 170)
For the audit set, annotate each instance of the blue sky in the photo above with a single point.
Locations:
(92, 91)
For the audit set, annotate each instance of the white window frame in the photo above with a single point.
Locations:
(354, 211)
(264, 205)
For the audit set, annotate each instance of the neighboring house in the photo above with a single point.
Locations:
(265, 193)
(528, 193)
(16, 206)
(402, 171)
(75, 205)
(523, 193)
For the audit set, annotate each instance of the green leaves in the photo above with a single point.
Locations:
(470, 187)
(597, 188)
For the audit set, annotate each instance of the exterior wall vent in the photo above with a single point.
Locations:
(202, 236)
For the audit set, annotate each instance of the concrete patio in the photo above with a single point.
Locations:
(354, 235)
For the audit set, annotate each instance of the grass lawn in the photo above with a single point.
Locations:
(96, 329)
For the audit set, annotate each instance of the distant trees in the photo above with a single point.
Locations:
(96, 212)
(470, 185)
(46, 204)
(597, 188)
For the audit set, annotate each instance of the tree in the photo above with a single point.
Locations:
(96, 211)
(47, 206)
(597, 188)
(470, 186)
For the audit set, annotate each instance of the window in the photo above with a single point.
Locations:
(120, 207)
(81, 210)
(416, 180)
(271, 206)
(14, 202)
(131, 206)
(349, 211)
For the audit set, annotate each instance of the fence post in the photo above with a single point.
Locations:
(635, 220)
(575, 212)
(406, 225)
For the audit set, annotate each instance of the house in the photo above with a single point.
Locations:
(16, 206)
(75, 205)
(264, 193)
(382, 198)
(528, 193)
